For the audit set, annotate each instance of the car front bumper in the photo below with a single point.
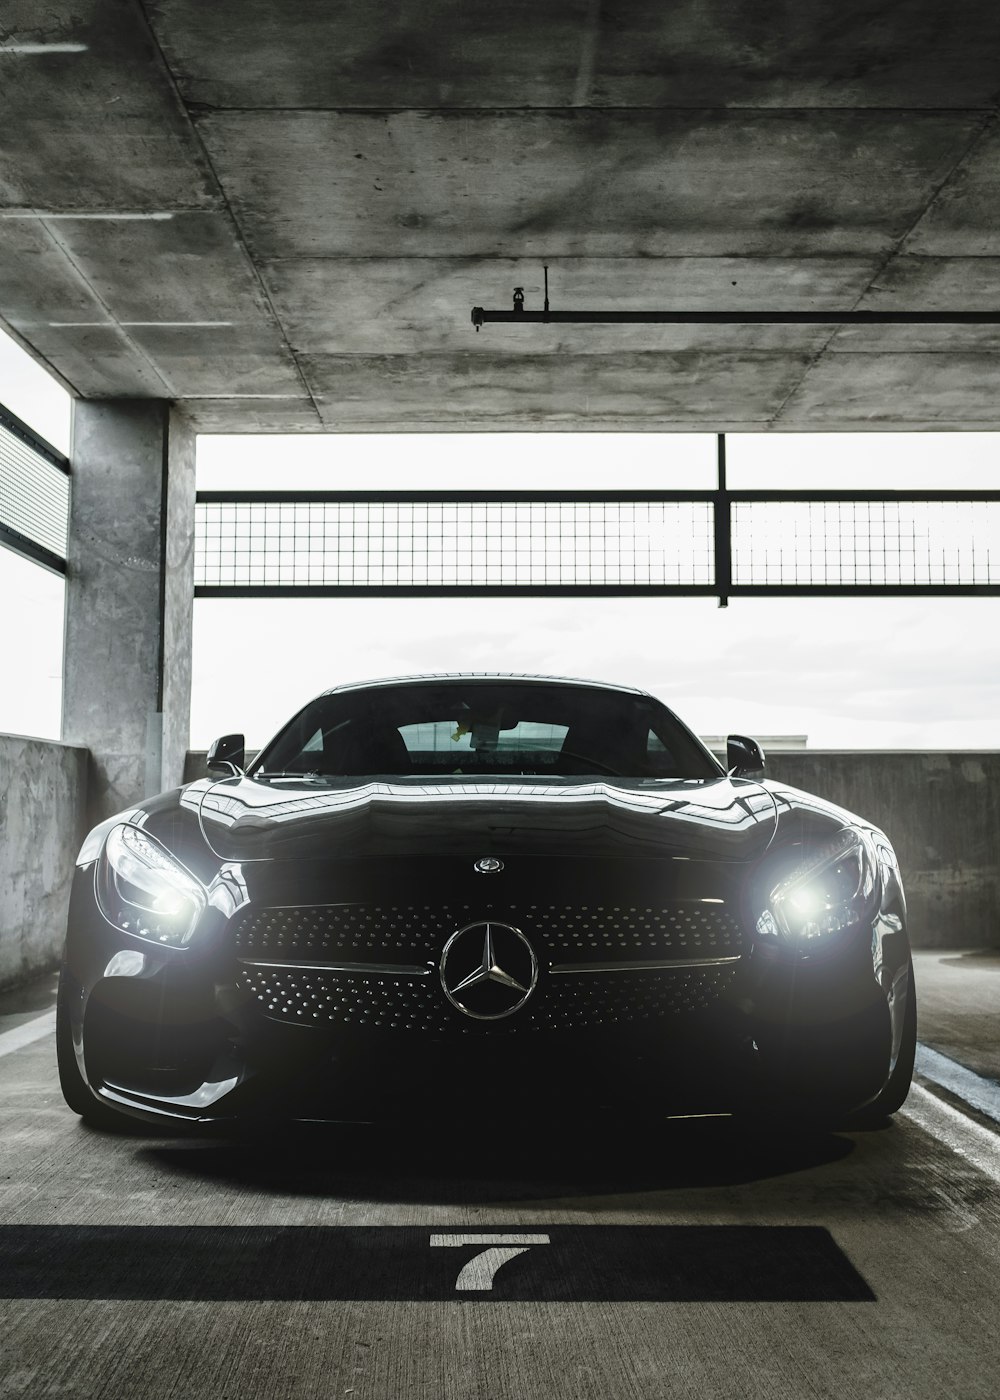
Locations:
(208, 1034)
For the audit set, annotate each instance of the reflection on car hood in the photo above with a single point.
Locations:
(716, 819)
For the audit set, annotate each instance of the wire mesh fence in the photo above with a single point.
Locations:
(683, 542)
(630, 542)
(866, 543)
(454, 543)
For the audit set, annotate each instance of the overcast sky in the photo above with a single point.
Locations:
(872, 673)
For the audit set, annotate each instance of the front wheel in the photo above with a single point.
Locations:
(897, 1086)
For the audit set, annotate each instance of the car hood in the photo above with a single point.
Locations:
(716, 819)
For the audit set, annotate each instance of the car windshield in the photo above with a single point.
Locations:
(477, 728)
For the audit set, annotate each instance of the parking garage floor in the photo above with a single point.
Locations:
(590, 1260)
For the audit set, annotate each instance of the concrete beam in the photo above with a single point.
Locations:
(281, 216)
(846, 391)
(531, 390)
(129, 596)
(421, 305)
(158, 308)
(429, 53)
(583, 183)
(95, 126)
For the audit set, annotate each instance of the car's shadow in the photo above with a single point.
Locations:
(452, 1164)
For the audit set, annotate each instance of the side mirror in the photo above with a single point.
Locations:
(229, 752)
(744, 757)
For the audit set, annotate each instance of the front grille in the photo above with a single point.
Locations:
(623, 998)
(355, 932)
(561, 934)
(381, 963)
(323, 997)
(380, 1001)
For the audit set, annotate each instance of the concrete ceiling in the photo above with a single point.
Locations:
(283, 214)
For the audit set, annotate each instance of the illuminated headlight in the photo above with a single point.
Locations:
(831, 892)
(145, 892)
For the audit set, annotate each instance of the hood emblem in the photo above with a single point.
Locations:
(489, 865)
(488, 970)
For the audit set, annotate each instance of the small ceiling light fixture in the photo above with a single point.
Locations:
(104, 216)
(43, 48)
(519, 316)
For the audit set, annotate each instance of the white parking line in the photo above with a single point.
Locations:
(978, 1145)
(27, 1032)
(972, 1088)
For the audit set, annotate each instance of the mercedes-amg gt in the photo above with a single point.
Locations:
(427, 893)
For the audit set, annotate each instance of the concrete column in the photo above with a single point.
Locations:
(129, 595)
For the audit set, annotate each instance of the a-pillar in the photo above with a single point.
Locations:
(129, 596)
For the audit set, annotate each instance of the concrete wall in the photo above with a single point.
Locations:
(43, 796)
(940, 810)
(942, 813)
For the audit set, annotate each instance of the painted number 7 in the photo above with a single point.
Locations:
(478, 1274)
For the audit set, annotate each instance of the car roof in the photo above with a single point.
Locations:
(431, 676)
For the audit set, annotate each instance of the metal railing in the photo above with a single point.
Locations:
(718, 543)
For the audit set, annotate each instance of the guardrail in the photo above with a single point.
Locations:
(719, 543)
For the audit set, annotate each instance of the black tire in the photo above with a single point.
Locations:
(74, 1088)
(897, 1086)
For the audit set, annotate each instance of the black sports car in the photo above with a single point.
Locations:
(432, 891)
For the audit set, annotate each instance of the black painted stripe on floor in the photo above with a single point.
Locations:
(662, 1263)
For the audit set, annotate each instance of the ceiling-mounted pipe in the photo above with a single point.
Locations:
(518, 315)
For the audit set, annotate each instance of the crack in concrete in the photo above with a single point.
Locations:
(64, 250)
(588, 54)
(985, 127)
(227, 208)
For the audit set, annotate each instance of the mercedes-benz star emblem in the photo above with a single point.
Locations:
(488, 970)
(489, 865)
